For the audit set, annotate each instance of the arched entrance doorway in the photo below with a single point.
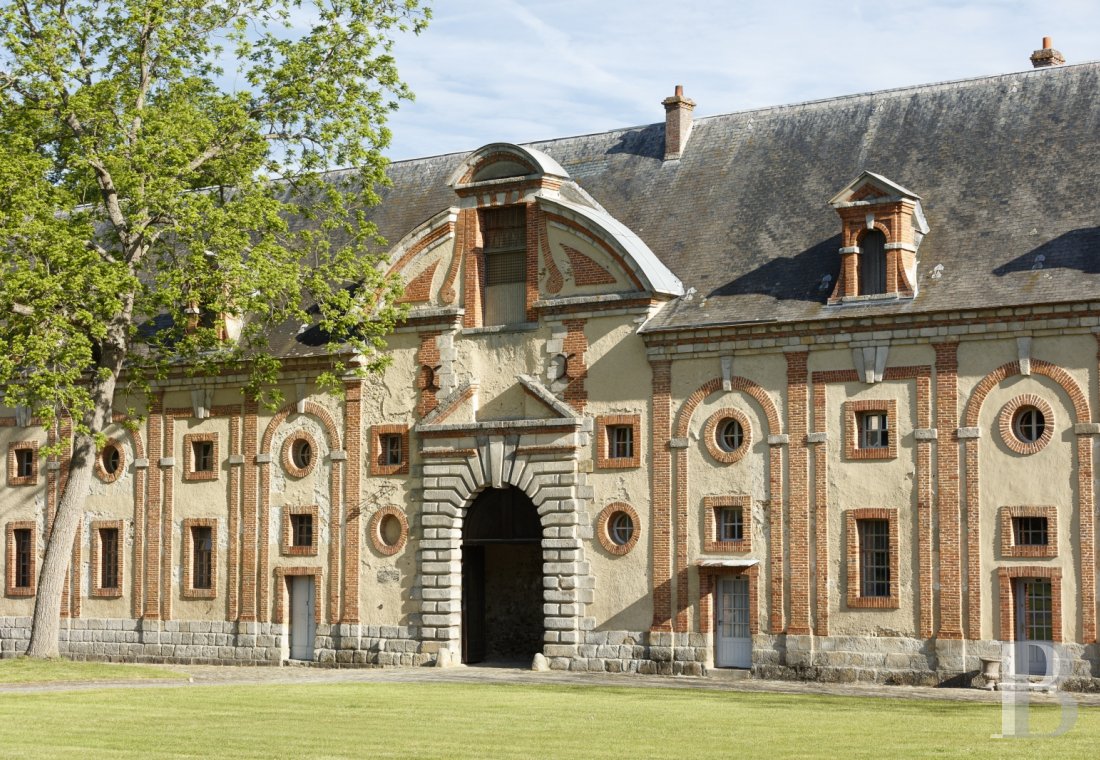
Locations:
(501, 578)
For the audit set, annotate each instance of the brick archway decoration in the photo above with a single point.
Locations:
(453, 479)
(264, 461)
(680, 490)
(1087, 534)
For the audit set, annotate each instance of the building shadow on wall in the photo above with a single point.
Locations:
(794, 278)
(1078, 250)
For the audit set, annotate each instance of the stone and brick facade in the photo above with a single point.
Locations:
(733, 447)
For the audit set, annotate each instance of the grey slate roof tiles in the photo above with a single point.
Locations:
(1008, 169)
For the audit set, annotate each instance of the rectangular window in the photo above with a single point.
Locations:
(620, 441)
(391, 450)
(108, 558)
(874, 430)
(874, 558)
(731, 525)
(504, 232)
(24, 463)
(202, 557)
(202, 456)
(23, 575)
(1029, 531)
(301, 530)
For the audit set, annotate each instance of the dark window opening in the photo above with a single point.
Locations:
(1029, 531)
(391, 449)
(872, 263)
(874, 557)
(23, 558)
(874, 430)
(620, 441)
(108, 558)
(202, 559)
(202, 456)
(24, 463)
(301, 530)
(731, 526)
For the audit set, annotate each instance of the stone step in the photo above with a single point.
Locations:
(729, 674)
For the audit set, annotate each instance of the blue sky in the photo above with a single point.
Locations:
(522, 70)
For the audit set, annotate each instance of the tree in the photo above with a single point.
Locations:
(146, 193)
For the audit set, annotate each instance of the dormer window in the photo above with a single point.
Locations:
(883, 225)
(504, 233)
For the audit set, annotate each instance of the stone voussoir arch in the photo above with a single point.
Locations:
(451, 485)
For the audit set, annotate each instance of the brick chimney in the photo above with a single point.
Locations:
(677, 122)
(1048, 56)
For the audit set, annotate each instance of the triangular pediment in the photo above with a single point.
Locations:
(527, 397)
(869, 187)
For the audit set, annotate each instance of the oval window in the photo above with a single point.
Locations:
(112, 459)
(1029, 424)
(302, 454)
(389, 530)
(620, 528)
(730, 435)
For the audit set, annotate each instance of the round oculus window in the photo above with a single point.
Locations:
(620, 528)
(1028, 424)
(389, 530)
(302, 453)
(112, 459)
(730, 435)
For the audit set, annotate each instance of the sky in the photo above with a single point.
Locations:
(523, 70)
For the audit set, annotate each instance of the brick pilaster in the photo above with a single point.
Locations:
(574, 346)
(947, 476)
(661, 500)
(248, 515)
(532, 260)
(233, 523)
(353, 444)
(427, 383)
(152, 510)
(168, 475)
(798, 486)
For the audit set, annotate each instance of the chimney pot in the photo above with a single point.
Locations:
(1047, 56)
(677, 122)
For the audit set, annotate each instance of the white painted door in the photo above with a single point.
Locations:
(303, 628)
(1034, 622)
(733, 642)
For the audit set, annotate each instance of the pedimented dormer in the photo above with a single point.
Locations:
(523, 237)
(883, 225)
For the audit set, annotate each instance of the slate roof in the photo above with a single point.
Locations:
(1008, 169)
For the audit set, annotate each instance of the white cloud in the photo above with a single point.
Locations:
(521, 70)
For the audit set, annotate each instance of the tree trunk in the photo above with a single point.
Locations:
(46, 626)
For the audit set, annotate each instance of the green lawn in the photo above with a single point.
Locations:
(503, 720)
(26, 671)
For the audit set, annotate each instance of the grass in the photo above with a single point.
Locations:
(22, 670)
(441, 720)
